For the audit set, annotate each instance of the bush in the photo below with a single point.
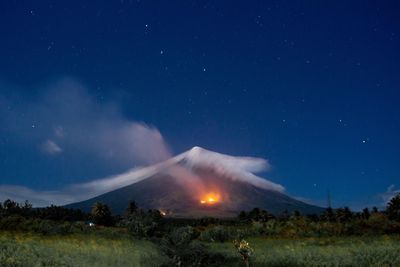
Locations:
(12, 222)
(219, 233)
(143, 225)
(179, 246)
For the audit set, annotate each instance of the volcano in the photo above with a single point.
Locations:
(200, 183)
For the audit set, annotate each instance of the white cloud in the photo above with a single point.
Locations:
(235, 168)
(390, 192)
(76, 192)
(66, 117)
(59, 131)
(51, 147)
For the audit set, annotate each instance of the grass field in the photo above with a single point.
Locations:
(24, 249)
(76, 250)
(345, 251)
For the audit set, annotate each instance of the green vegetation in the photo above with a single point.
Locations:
(101, 214)
(101, 249)
(343, 251)
(56, 236)
(24, 249)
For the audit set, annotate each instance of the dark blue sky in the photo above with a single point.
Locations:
(312, 86)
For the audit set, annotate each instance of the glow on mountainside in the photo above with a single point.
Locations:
(210, 199)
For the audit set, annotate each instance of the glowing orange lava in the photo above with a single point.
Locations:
(210, 199)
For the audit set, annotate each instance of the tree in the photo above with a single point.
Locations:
(375, 210)
(328, 215)
(101, 214)
(393, 208)
(242, 216)
(143, 224)
(132, 208)
(365, 214)
(254, 214)
(344, 214)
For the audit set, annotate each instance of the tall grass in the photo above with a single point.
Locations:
(23, 249)
(346, 251)
(117, 249)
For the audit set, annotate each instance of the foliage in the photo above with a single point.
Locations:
(26, 249)
(393, 208)
(343, 251)
(198, 242)
(132, 208)
(218, 233)
(255, 214)
(244, 249)
(143, 224)
(101, 214)
(180, 246)
(56, 213)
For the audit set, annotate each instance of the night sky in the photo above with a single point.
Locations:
(311, 86)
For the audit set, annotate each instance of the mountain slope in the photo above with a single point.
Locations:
(195, 176)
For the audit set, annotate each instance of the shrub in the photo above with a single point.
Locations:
(180, 247)
(143, 225)
(12, 222)
(219, 233)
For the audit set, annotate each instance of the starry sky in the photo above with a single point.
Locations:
(311, 86)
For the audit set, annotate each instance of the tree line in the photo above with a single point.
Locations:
(144, 224)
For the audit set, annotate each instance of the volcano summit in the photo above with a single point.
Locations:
(201, 183)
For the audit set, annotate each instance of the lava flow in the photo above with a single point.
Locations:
(210, 199)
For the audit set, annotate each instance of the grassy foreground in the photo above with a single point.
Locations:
(344, 251)
(22, 249)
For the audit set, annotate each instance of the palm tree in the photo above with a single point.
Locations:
(101, 214)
